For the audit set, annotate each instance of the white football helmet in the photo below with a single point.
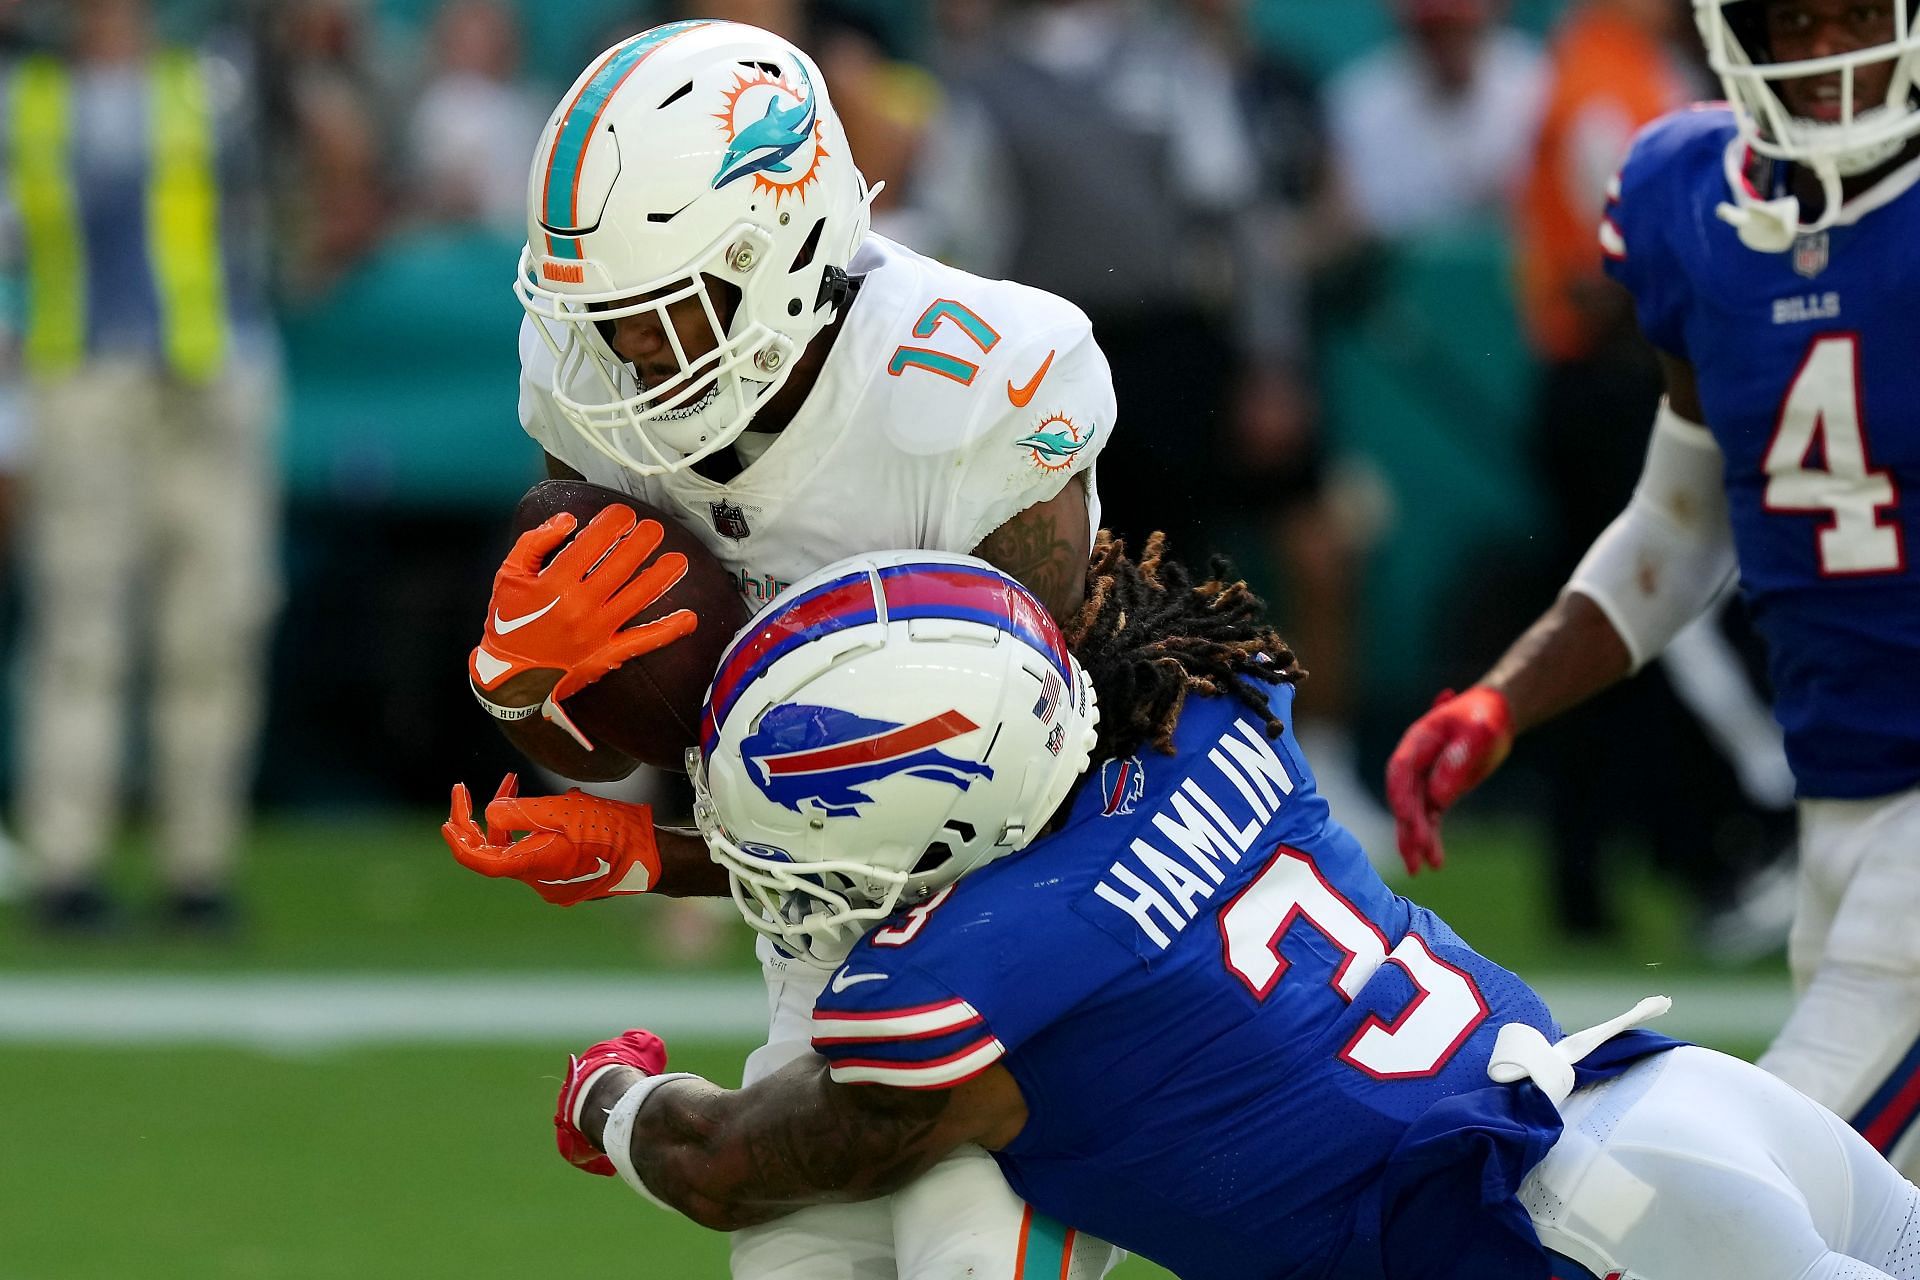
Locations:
(693, 153)
(1867, 134)
(887, 725)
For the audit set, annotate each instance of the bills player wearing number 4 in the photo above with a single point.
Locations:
(1805, 364)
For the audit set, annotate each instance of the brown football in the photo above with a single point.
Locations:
(649, 706)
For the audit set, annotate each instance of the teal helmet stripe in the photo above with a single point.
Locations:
(583, 113)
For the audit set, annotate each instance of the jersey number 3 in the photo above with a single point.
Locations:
(1436, 1022)
(1822, 406)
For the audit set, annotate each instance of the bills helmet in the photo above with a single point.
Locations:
(886, 726)
(1864, 134)
(697, 166)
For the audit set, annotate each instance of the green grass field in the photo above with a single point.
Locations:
(156, 1161)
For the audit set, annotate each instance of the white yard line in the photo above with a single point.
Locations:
(331, 1010)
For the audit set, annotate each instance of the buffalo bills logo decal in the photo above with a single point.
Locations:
(819, 757)
(1122, 782)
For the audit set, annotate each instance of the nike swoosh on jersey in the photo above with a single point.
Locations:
(604, 867)
(507, 625)
(1022, 395)
(489, 667)
(841, 981)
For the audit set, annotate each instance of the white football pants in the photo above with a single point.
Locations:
(1853, 1039)
(958, 1221)
(151, 540)
(1696, 1166)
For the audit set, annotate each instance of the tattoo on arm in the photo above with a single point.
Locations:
(1046, 548)
(736, 1158)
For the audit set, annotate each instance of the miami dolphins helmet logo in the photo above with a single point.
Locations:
(820, 757)
(1055, 442)
(773, 135)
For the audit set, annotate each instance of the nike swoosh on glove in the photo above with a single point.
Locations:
(570, 613)
(641, 1050)
(577, 847)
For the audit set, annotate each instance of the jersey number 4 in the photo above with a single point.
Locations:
(1445, 1009)
(1822, 407)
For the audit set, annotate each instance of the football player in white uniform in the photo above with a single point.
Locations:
(712, 329)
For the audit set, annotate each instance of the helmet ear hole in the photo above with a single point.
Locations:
(804, 258)
(940, 852)
(937, 855)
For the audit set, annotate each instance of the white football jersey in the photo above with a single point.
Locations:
(948, 404)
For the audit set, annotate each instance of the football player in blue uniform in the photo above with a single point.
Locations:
(1769, 244)
(1120, 943)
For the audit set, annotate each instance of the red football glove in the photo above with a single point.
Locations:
(577, 847)
(569, 614)
(641, 1050)
(1445, 754)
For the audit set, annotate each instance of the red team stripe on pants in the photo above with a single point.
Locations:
(1890, 1112)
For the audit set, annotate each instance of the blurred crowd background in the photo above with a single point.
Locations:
(1341, 254)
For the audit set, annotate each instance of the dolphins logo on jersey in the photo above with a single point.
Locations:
(1055, 443)
(822, 756)
(764, 145)
(1122, 783)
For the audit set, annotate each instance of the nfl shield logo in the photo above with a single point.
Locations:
(729, 521)
(1810, 254)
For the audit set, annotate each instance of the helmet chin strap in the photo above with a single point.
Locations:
(689, 432)
(1765, 226)
(1771, 226)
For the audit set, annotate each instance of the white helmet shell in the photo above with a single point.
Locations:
(693, 153)
(889, 724)
(1866, 135)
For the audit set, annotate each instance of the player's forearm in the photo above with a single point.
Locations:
(1569, 654)
(732, 1158)
(686, 869)
(546, 743)
(1046, 548)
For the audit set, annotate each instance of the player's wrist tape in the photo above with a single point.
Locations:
(617, 1139)
(498, 712)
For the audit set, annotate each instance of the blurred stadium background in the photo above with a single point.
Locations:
(347, 1071)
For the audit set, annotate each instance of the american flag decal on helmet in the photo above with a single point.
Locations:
(1050, 690)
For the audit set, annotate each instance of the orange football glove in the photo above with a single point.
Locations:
(570, 613)
(1445, 754)
(577, 846)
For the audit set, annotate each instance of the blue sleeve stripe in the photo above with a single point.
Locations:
(941, 1073)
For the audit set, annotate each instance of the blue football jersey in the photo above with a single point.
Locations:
(1811, 388)
(1243, 1055)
